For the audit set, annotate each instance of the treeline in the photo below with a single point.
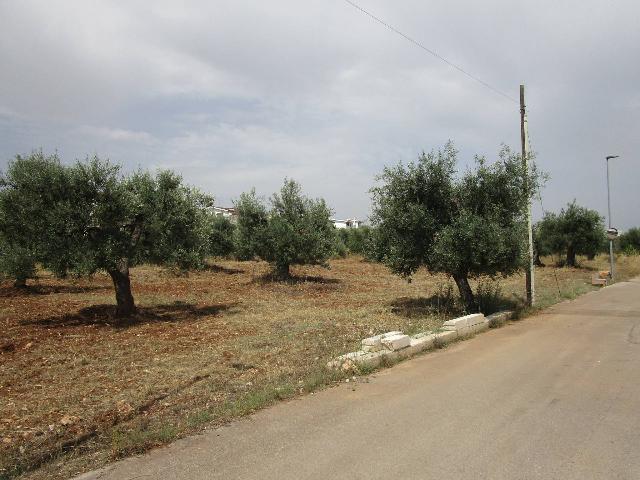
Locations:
(87, 217)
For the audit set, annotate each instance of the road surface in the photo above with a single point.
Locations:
(555, 396)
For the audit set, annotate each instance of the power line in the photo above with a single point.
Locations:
(431, 52)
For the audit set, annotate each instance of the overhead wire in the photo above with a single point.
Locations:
(431, 52)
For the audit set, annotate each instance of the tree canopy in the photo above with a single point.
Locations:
(574, 231)
(296, 230)
(88, 217)
(463, 225)
(630, 241)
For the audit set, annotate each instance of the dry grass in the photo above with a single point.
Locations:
(78, 390)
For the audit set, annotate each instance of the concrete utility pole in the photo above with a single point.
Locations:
(530, 282)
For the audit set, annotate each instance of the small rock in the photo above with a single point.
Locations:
(68, 420)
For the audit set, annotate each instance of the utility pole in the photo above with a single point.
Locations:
(610, 231)
(530, 284)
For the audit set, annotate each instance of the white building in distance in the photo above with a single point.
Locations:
(348, 223)
(226, 212)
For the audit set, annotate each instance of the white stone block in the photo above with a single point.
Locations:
(455, 323)
(371, 359)
(372, 341)
(463, 325)
(391, 334)
(372, 344)
(422, 343)
(396, 342)
(474, 319)
(446, 337)
(479, 327)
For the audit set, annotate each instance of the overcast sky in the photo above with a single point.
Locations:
(240, 94)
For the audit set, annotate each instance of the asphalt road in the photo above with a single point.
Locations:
(555, 396)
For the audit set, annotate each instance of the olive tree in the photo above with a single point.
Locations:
(465, 225)
(89, 217)
(221, 236)
(355, 240)
(295, 230)
(16, 263)
(34, 205)
(630, 241)
(574, 231)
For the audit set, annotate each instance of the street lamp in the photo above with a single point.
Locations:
(611, 232)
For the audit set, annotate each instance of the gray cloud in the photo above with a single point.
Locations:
(242, 94)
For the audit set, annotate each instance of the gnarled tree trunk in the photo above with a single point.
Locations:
(571, 256)
(282, 272)
(124, 299)
(465, 291)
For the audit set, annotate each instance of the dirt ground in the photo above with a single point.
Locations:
(78, 389)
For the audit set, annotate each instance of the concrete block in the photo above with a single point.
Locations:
(479, 327)
(455, 323)
(396, 342)
(446, 337)
(421, 344)
(462, 324)
(465, 332)
(391, 334)
(372, 344)
(421, 334)
(346, 360)
(371, 359)
(499, 318)
(372, 341)
(474, 319)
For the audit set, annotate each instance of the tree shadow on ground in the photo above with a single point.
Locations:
(105, 315)
(223, 269)
(9, 290)
(271, 277)
(409, 307)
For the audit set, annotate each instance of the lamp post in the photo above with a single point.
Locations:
(609, 232)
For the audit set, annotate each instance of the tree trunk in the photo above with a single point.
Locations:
(283, 272)
(571, 256)
(122, 284)
(20, 282)
(465, 292)
(536, 260)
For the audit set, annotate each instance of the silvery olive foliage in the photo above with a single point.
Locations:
(464, 224)
(295, 230)
(89, 217)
